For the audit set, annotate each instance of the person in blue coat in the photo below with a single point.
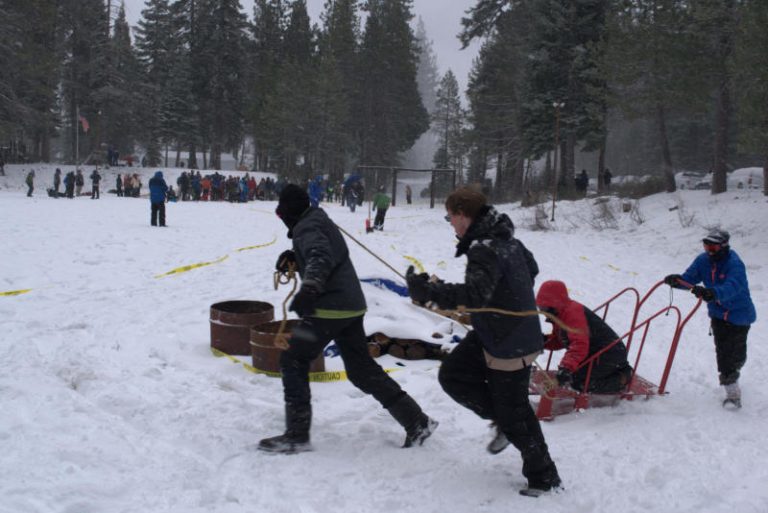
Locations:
(726, 292)
(316, 191)
(157, 191)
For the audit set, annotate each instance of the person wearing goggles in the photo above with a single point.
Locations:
(725, 289)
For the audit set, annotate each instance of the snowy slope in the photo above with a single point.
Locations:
(112, 402)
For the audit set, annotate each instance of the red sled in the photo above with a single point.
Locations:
(554, 400)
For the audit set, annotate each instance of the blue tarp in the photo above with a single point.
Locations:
(386, 284)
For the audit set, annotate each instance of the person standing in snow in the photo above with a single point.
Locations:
(611, 372)
(331, 305)
(30, 181)
(488, 372)
(119, 185)
(56, 182)
(380, 205)
(79, 182)
(726, 292)
(95, 179)
(157, 190)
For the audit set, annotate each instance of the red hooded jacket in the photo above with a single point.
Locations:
(591, 333)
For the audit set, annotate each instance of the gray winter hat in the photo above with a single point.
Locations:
(717, 237)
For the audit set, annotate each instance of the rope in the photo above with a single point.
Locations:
(284, 278)
(452, 314)
(374, 255)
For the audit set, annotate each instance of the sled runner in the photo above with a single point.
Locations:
(554, 400)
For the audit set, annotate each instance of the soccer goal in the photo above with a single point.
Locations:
(409, 186)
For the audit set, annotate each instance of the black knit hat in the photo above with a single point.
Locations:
(293, 202)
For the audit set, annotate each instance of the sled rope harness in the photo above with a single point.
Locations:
(458, 313)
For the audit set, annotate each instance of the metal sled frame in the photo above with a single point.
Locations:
(554, 400)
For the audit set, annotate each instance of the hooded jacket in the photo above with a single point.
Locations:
(322, 256)
(591, 333)
(727, 276)
(157, 188)
(500, 272)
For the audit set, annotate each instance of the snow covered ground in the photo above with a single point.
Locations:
(112, 401)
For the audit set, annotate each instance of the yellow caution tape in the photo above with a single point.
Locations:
(15, 292)
(415, 262)
(316, 377)
(442, 265)
(192, 266)
(260, 245)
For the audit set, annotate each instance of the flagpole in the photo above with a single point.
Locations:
(77, 139)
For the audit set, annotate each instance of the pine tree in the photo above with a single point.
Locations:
(427, 79)
(220, 59)
(337, 88)
(653, 68)
(392, 116)
(30, 59)
(751, 70)
(154, 46)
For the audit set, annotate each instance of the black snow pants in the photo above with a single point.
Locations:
(502, 397)
(731, 349)
(158, 209)
(309, 339)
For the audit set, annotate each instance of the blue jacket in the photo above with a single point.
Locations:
(157, 188)
(728, 278)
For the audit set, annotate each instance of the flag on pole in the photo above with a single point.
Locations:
(85, 124)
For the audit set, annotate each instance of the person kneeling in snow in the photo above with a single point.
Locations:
(610, 372)
(331, 305)
(729, 303)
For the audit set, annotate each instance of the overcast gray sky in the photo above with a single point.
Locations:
(441, 17)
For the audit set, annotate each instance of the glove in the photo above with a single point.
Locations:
(564, 377)
(417, 285)
(306, 298)
(671, 279)
(284, 261)
(703, 293)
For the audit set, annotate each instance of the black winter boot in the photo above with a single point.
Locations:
(418, 427)
(541, 472)
(296, 437)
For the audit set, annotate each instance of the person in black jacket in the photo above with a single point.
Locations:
(331, 305)
(488, 372)
(95, 179)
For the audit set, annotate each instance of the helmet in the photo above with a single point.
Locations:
(717, 237)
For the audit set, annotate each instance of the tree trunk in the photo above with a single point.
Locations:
(765, 176)
(499, 172)
(719, 167)
(666, 155)
(192, 157)
(601, 167)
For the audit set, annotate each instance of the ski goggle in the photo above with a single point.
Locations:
(711, 247)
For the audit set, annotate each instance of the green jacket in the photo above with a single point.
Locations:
(380, 201)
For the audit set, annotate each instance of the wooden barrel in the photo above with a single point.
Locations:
(231, 323)
(266, 356)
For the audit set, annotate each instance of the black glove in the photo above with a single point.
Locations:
(671, 279)
(564, 377)
(703, 293)
(418, 287)
(304, 301)
(284, 261)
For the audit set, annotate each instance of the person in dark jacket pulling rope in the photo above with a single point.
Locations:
(331, 305)
(610, 372)
(157, 190)
(489, 370)
(726, 291)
